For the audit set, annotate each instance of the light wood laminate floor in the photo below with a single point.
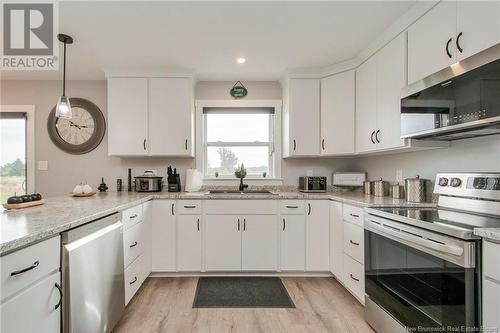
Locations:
(164, 304)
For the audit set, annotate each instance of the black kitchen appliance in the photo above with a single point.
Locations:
(312, 184)
(173, 179)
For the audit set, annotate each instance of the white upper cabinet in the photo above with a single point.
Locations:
(478, 26)
(150, 116)
(301, 124)
(170, 116)
(337, 114)
(431, 41)
(366, 105)
(451, 32)
(391, 78)
(127, 116)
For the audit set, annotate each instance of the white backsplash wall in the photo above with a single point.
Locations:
(470, 155)
(293, 168)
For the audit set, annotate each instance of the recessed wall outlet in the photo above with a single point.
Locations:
(43, 165)
(309, 173)
(399, 175)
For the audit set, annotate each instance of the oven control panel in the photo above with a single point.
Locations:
(473, 185)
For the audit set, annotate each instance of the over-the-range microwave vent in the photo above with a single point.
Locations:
(449, 134)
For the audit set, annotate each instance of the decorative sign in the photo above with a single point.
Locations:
(238, 90)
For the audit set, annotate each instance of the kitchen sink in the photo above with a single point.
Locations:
(240, 192)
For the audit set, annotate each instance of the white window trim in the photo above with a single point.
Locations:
(200, 137)
(30, 141)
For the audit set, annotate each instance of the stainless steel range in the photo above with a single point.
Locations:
(423, 266)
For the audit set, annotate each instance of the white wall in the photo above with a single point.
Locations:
(220, 90)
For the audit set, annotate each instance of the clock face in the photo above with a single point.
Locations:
(77, 130)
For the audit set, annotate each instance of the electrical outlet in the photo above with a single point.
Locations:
(399, 175)
(43, 165)
(309, 173)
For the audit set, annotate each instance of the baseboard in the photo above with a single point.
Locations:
(280, 274)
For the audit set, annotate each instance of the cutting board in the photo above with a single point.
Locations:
(23, 204)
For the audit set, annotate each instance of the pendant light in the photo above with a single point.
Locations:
(63, 109)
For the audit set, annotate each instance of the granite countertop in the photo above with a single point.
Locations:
(20, 228)
(488, 233)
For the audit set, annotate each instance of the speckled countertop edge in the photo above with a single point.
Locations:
(488, 233)
(38, 220)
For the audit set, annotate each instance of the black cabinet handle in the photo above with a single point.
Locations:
(458, 42)
(238, 224)
(198, 224)
(353, 243)
(144, 144)
(133, 216)
(309, 209)
(448, 48)
(354, 215)
(135, 279)
(134, 244)
(244, 224)
(373, 133)
(186, 144)
(284, 224)
(292, 206)
(60, 296)
(376, 136)
(24, 270)
(173, 209)
(190, 207)
(352, 277)
(323, 144)
(294, 144)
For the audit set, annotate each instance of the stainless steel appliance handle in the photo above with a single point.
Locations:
(392, 233)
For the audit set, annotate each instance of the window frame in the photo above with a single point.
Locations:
(30, 141)
(274, 143)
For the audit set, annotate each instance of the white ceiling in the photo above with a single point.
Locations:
(207, 37)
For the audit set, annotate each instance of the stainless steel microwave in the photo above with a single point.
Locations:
(457, 102)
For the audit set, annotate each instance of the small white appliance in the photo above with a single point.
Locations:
(348, 178)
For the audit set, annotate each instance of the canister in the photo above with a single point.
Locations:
(398, 191)
(368, 187)
(417, 189)
(380, 188)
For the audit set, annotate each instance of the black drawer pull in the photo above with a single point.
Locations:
(24, 270)
(60, 296)
(352, 277)
(353, 243)
(133, 216)
(189, 206)
(354, 215)
(292, 206)
(135, 279)
(135, 244)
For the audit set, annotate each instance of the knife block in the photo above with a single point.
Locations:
(174, 183)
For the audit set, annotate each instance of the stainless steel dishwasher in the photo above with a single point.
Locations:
(93, 277)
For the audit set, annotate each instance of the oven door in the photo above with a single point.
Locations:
(420, 279)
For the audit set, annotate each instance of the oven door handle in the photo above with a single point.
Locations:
(389, 232)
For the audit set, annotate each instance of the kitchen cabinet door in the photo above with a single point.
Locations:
(171, 117)
(478, 25)
(259, 243)
(366, 106)
(337, 240)
(303, 109)
(428, 39)
(337, 114)
(391, 77)
(147, 216)
(33, 309)
(163, 236)
(223, 242)
(491, 304)
(189, 243)
(293, 251)
(318, 235)
(127, 116)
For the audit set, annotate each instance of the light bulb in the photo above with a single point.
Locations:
(63, 108)
(241, 60)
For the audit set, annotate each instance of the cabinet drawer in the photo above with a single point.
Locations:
(132, 243)
(354, 241)
(491, 252)
(353, 214)
(21, 268)
(188, 207)
(292, 207)
(33, 310)
(133, 278)
(131, 216)
(354, 278)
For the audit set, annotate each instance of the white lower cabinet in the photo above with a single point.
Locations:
(259, 246)
(147, 210)
(491, 286)
(336, 240)
(354, 278)
(292, 251)
(133, 275)
(189, 243)
(354, 242)
(163, 243)
(318, 235)
(223, 242)
(34, 309)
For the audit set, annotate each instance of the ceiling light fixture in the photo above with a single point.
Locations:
(63, 108)
(241, 60)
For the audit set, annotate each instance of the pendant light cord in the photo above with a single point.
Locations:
(64, 71)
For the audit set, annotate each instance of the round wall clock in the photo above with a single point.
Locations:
(80, 134)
